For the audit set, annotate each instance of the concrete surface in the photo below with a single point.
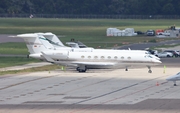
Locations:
(97, 91)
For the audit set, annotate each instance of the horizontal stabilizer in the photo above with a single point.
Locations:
(24, 36)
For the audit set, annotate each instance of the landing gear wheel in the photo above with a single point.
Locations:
(81, 70)
(175, 85)
(150, 71)
(77, 69)
(126, 68)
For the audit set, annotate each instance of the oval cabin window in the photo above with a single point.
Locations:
(102, 57)
(115, 57)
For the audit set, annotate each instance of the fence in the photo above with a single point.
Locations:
(91, 16)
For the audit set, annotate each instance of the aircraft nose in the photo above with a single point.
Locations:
(157, 58)
(156, 61)
(170, 78)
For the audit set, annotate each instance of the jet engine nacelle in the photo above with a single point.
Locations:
(57, 55)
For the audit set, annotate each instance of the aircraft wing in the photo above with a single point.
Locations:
(49, 59)
(96, 65)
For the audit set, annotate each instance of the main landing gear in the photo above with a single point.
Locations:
(81, 69)
(126, 69)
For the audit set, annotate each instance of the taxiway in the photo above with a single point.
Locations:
(97, 91)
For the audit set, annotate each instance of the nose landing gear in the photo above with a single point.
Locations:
(149, 71)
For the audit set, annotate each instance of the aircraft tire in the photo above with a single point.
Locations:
(77, 69)
(150, 71)
(81, 70)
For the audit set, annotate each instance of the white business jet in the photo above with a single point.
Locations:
(174, 78)
(55, 41)
(86, 60)
(39, 47)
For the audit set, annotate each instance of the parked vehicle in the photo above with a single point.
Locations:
(153, 52)
(164, 54)
(139, 32)
(150, 33)
(178, 52)
(175, 53)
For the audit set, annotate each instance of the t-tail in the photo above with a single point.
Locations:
(36, 43)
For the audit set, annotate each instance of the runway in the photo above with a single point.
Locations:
(97, 91)
(4, 38)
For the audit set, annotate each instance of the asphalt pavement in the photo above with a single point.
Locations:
(143, 46)
(4, 38)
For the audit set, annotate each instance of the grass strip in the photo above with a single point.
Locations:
(15, 61)
(34, 69)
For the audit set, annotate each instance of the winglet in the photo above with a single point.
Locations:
(49, 59)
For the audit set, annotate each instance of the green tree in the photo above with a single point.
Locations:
(168, 9)
(117, 7)
(120, 7)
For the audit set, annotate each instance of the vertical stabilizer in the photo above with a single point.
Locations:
(34, 43)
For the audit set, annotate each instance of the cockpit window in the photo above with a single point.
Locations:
(148, 56)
